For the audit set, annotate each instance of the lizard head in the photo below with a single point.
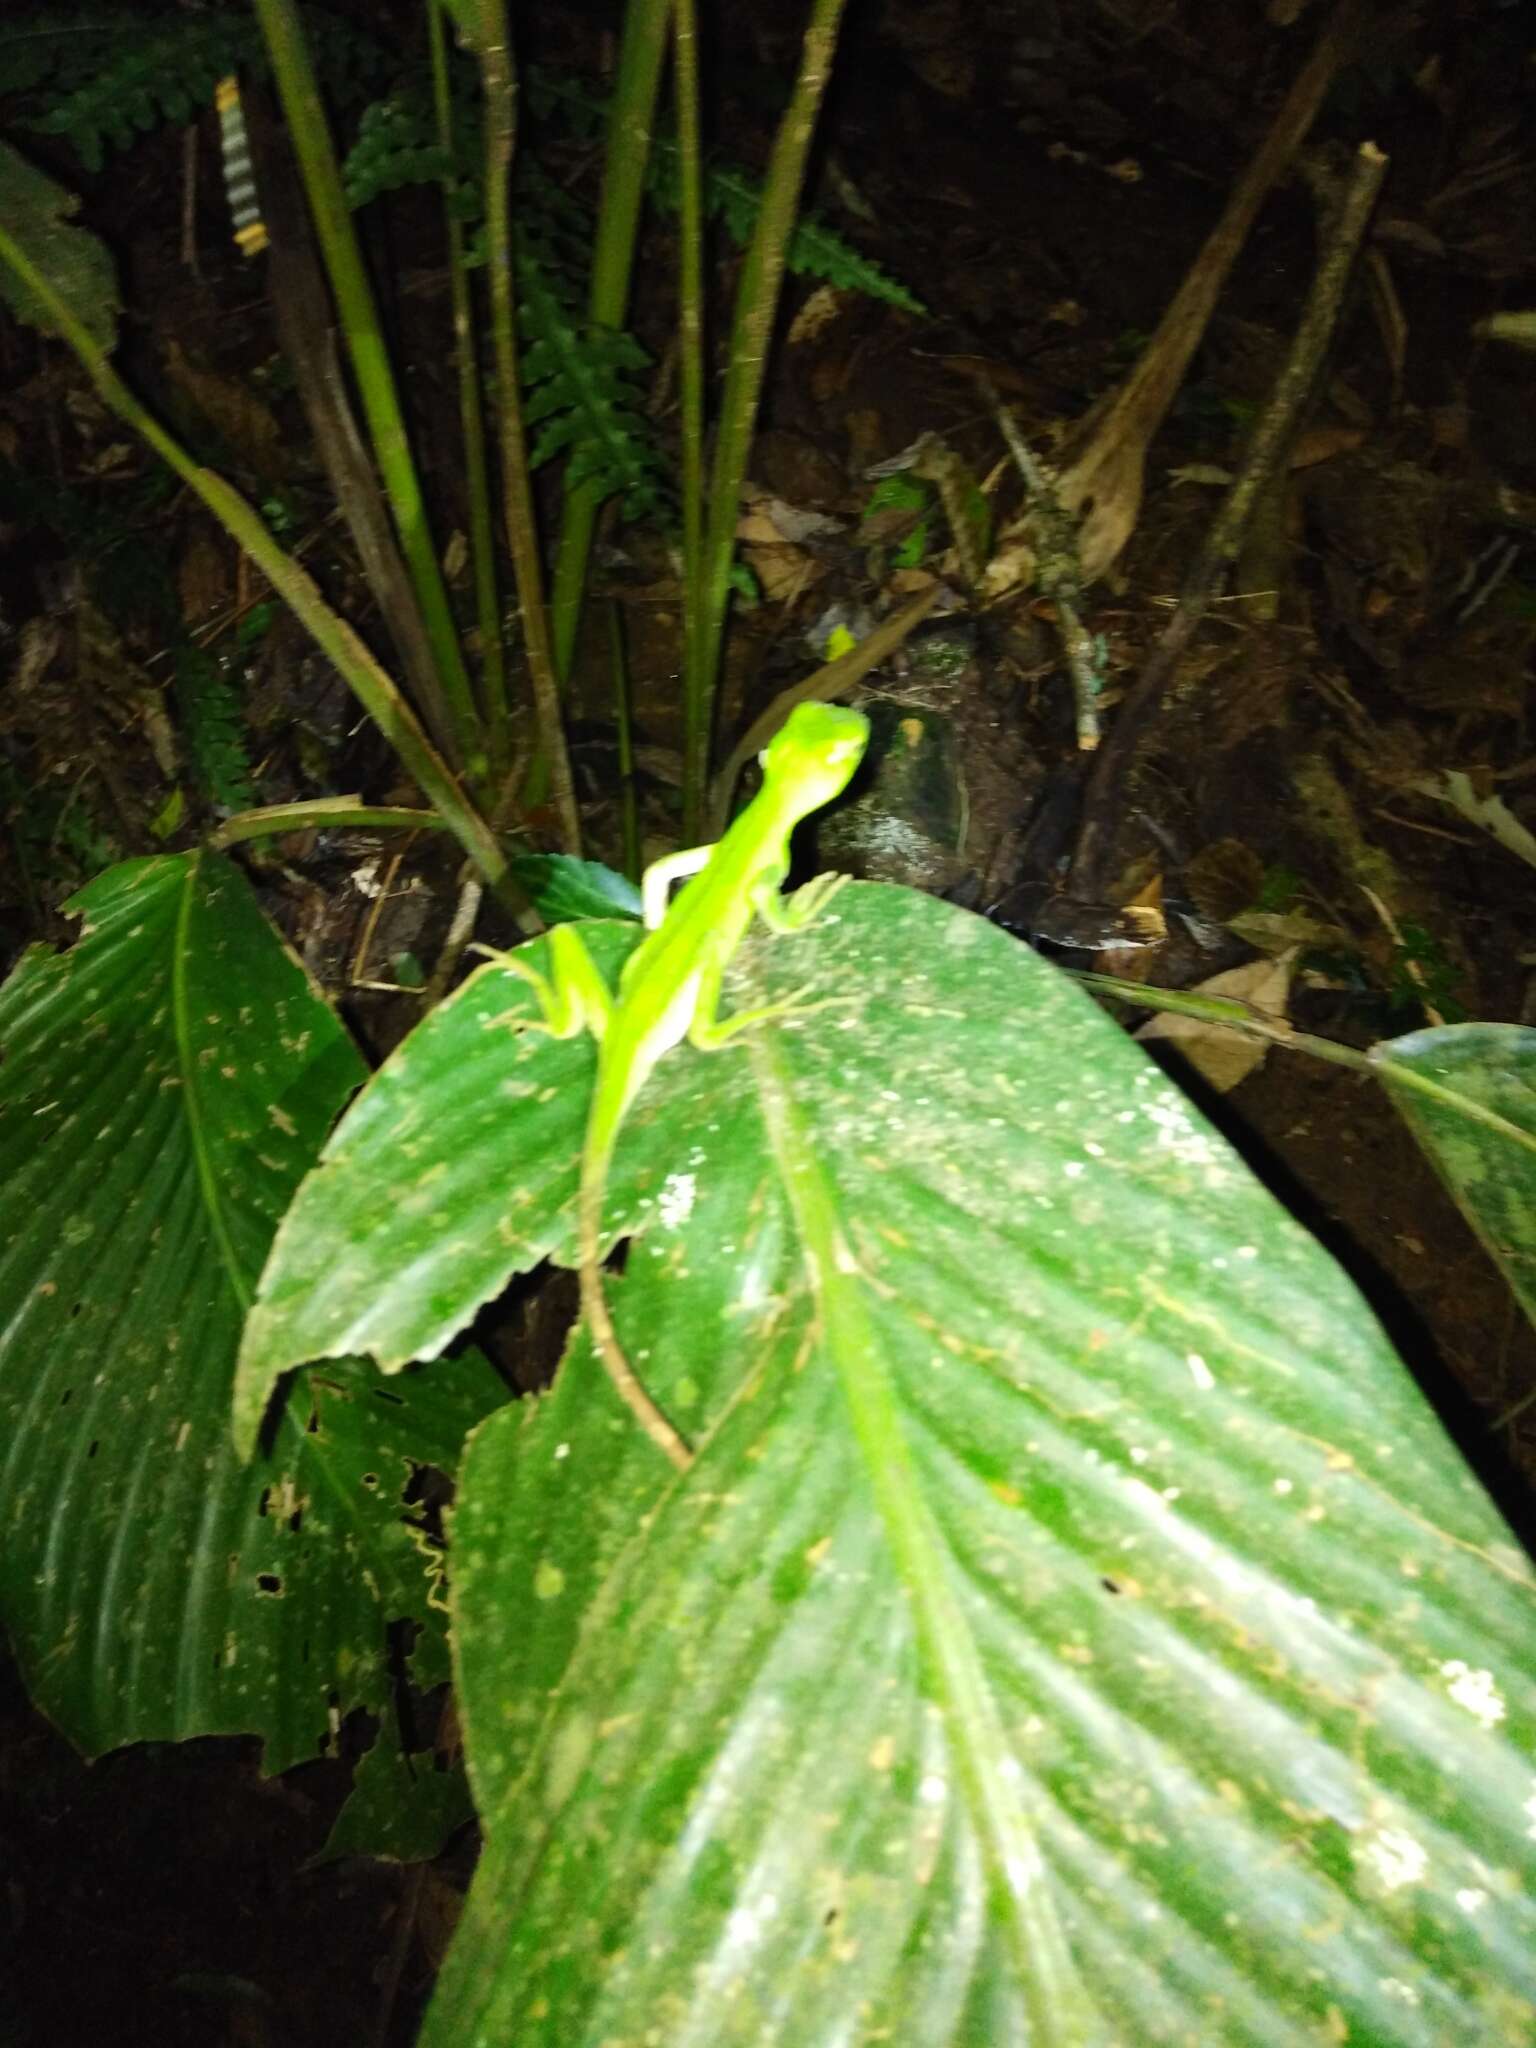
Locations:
(815, 751)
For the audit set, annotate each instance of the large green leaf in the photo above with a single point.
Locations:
(447, 1177)
(166, 1084)
(1074, 1628)
(1468, 1094)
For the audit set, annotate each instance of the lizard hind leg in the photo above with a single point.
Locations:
(709, 1031)
(572, 997)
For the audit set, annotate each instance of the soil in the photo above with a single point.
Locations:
(1042, 179)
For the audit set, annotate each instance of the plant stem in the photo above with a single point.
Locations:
(833, 679)
(326, 813)
(1230, 1011)
(499, 83)
(477, 480)
(1236, 1015)
(370, 683)
(454, 715)
(629, 810)
(630, 116)
(690, 350)
(756, 305)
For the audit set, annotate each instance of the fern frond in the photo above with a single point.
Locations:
(166, 72)
(580, 389)
(584, 113)
(815, 250)
(730, 196)
(147, 69)
(396, 145)
(578, 382)
(41, 46)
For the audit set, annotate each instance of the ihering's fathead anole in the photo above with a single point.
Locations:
(669, 987)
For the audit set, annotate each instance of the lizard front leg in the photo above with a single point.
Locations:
(786, 914)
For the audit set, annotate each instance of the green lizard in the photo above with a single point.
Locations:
(669, 987)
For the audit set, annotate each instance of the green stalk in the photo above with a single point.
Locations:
(757, 301)
(690, 347)
(629, 808)
(321, 814)
(355, 661)
(477, 478)
(1234, 1014)
(630, 117)
(1242, 1017)
(453, 717)
(499, 83)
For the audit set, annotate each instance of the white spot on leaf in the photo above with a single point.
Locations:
(675, 1203)
(1396, 1857)
(1473, 1690)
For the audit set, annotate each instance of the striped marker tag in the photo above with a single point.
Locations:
(239, 177)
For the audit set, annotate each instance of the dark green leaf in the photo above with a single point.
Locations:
(166, 1083)
(563, 889)
(402, 1806)
(1468, 1094)
(447, 1178)
(35, 220)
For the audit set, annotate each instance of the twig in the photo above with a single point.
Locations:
(1059, 573)
(466, 910)
(375, 911)
(189, 201)
(1273, 434)
(407, 1909)
(1105, 482)
(825, 683)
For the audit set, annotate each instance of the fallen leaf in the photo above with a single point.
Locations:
(1221, 1056)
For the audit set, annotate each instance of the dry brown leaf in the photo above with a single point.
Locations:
(1224, 878)
(1221, 1056)
(1321, 444)
(1012, 566)
(245, 421)
(203, 581)
(819, 311)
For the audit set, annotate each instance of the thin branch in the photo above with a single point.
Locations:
(1273, 435)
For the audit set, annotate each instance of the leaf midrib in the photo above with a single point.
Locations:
(198, 1131)
(991, 1778)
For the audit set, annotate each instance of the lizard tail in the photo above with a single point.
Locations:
(594, 1307)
